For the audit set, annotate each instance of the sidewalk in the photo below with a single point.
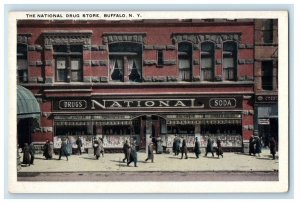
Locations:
(162, 162)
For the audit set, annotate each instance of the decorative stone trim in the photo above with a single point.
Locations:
(242, 78)
(104, 79)
(38, 48)
(149, 62)
(86, 79)
(249, 61)
(95, 63)
(242, 46)
(49, 80)
(159, 79)
(196, 78)
(103, 62)
(249, 46)
(218, 78)
(196, 47)
(245, 127)
(95, 48)
(95, 79)
(249, 78)
(197, 38)
(103, 48)
(247, 96)
(39, 63)
(48, 63)
(218, 46)
(250, 127)
(31, 48)
(159, 47)
(86, 47)
(148, 47)
(40, 79)
(218, 61)
(251, 112)
(23, 38)
(171, 47)
(169, 62)
(147, 79)
(172, 78)
(123, 37)
(67, 37)
(48, 47)
(33, 79)
(241, 61)
(86, 62)
(32, 63)
(196, 62)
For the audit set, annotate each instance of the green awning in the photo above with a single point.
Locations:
(27, 105)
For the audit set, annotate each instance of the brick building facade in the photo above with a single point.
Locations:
(140, 79)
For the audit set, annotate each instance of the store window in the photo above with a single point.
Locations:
(229, 61)
(125, 62)
(268, 31)
(68, 62)
(207, 61)
(267, 75)
(185, 61)
(22, 65)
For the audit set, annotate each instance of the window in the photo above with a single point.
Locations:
(185, 61)
(268, 31)
(125, 62)
(267, 75)
(229, 61)
(22, 66)
(68, 62)
(160, 58)
(207, 61)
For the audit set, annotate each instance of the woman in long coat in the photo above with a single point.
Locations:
(197, 148)
(257, 146)
(272, 146)
(184, 149)
(26, 154)
(251, 146)
(132, 156)
(177, 148)
(219, 148)
(150, 152)
(48, 150)
(97, 151)
(209, 147)
(125, 151)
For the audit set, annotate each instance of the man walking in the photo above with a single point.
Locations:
(125, 151)
(272, 146)
(150, 152)
(63, 150)
(197, 148)
(209, 147)
(184, 149)
(79, 145)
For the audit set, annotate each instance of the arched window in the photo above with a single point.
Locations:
(125, 62)
(22, 65)
(229, 61)
(185, 61)
(207, 61)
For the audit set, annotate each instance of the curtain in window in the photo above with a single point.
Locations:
(184, 69)
(112, 63)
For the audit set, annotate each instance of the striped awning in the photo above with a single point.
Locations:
(27, 105)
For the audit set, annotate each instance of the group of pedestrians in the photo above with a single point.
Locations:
(28, 154)
(255, 146)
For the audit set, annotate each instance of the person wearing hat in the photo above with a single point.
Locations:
(197, 148)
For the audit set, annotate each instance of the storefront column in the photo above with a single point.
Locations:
(148, 131)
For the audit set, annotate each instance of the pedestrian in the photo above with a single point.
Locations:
(219, 148)
(63, 150)
(257, 146)
(209, 147)
(150, 152)
(26, 154)
(184, 149)
(97, 151)
(272, 146)
(132, 157)
(95, 145)
(31, 152)
(47, 150)
(79, 145)
(101, 148)
(197, 148)
(174, 145)
(125, 151)
(177, 146)
(251, 146)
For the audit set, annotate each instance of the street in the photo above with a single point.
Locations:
(149, 176)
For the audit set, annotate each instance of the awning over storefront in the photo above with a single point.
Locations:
(27, 105)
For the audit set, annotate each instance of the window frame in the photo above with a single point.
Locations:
(234, 57)
(212, 56)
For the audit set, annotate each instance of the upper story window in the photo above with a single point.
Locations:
(267, 75)
(207, 61)
(125, 62)
(268, 31)
(185, 61)
(229, 61)
(22, 64)
(160, 58)
(68, 63)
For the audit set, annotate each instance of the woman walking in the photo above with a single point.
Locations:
(209, 147)
(219, 148)
(184, 149)
(63, 150)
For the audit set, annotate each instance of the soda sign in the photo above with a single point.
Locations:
(222, 103)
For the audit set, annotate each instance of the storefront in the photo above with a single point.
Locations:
(267, 117)
(140, 119)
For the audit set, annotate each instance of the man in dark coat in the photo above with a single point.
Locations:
(184, 149)
(219, 148)
(31, 152)
(63, 150)
(26, 155)
(197, 148)
(79, 145)
(174, 146)
(95, 145)
(251, 146)
(150, 152)
(257, 146)
(132, 156)
(272, 146)
(177, 150)
(97, 151)
(209, 147)
(125, 151)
